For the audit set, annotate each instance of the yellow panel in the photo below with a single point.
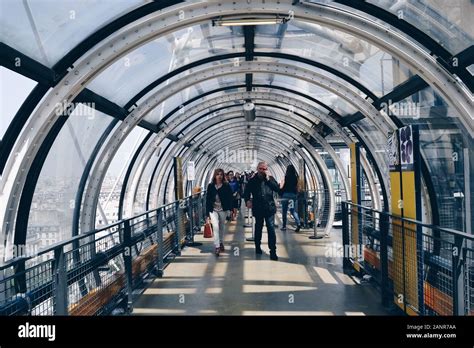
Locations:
(409, 212)
(395, 194)
(397, 243)
(404, 272)
(354, 213)
(409, 195)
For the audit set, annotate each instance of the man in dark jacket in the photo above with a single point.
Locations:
(261, 187)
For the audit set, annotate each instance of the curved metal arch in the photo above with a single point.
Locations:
(279, 98)
(366, 166)
(188, 154)
(202, 166)
(90, 225)
(140, 112)
(282, 149)
(198, 155)
(317, 168)
(166, 168)
(277, 55)
(325, 145)
(281, 165)
(129, 174)
(161, 156)
(319, 161)
(376, 198)
(233, 87)
(296, 124)
(84, 70)
(233, 141)
(278, 168)
(263, 139)
(164, 186)
(204, 126)
(379, 119)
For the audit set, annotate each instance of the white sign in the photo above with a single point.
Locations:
(191, 171)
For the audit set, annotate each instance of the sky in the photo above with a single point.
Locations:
(14, 88)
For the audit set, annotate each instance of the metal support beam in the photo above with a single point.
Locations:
(249, 36)
(107, 107)
(26, 66)
(275, 134)
(402, 91)
(358, 26)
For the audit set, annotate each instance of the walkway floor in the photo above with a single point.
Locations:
(303, 282)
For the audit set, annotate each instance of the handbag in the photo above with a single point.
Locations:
(208, 230)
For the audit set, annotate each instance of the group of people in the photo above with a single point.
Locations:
(224, 194)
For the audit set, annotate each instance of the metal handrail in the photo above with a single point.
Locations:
(56, 273)
(423, 224)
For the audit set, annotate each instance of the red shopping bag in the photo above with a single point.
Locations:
(208, 230)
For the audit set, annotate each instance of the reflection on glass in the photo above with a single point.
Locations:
(139, 202)
(129, 75)
(47, 30)
(50, 219)
(444, 143)
(338, 104)
(179, 98)
(367, 64)
(107, 212)
(448, 22)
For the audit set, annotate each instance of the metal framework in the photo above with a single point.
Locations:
(275, 133)
(110, 45)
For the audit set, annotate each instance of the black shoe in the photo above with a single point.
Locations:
(258, 251)
(297, 229)
(273, 256)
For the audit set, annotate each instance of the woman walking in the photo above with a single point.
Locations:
(289, 190)
(219, 202)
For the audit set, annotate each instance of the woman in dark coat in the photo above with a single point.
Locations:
(219, 204)
(289, 190)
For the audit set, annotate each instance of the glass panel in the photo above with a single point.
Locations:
(46, 30)
(312, 90)
(147, 63)
(14, 88)
(139, 204)
(444, 143)
(112, 184)
(447, 22)
(376, 141)
(52, 207)
(365, 63)
(162, 110)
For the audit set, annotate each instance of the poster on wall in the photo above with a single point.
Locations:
(406, 140)
(393, 151)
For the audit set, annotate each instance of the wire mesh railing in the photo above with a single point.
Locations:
(420, 268)
(96, 272)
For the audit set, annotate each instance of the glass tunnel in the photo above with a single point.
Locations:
(116, 113)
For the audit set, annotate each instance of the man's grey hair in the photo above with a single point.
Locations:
(262, 162)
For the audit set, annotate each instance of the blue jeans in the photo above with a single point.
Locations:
(289, 199)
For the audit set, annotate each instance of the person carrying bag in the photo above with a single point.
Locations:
(219, 201)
